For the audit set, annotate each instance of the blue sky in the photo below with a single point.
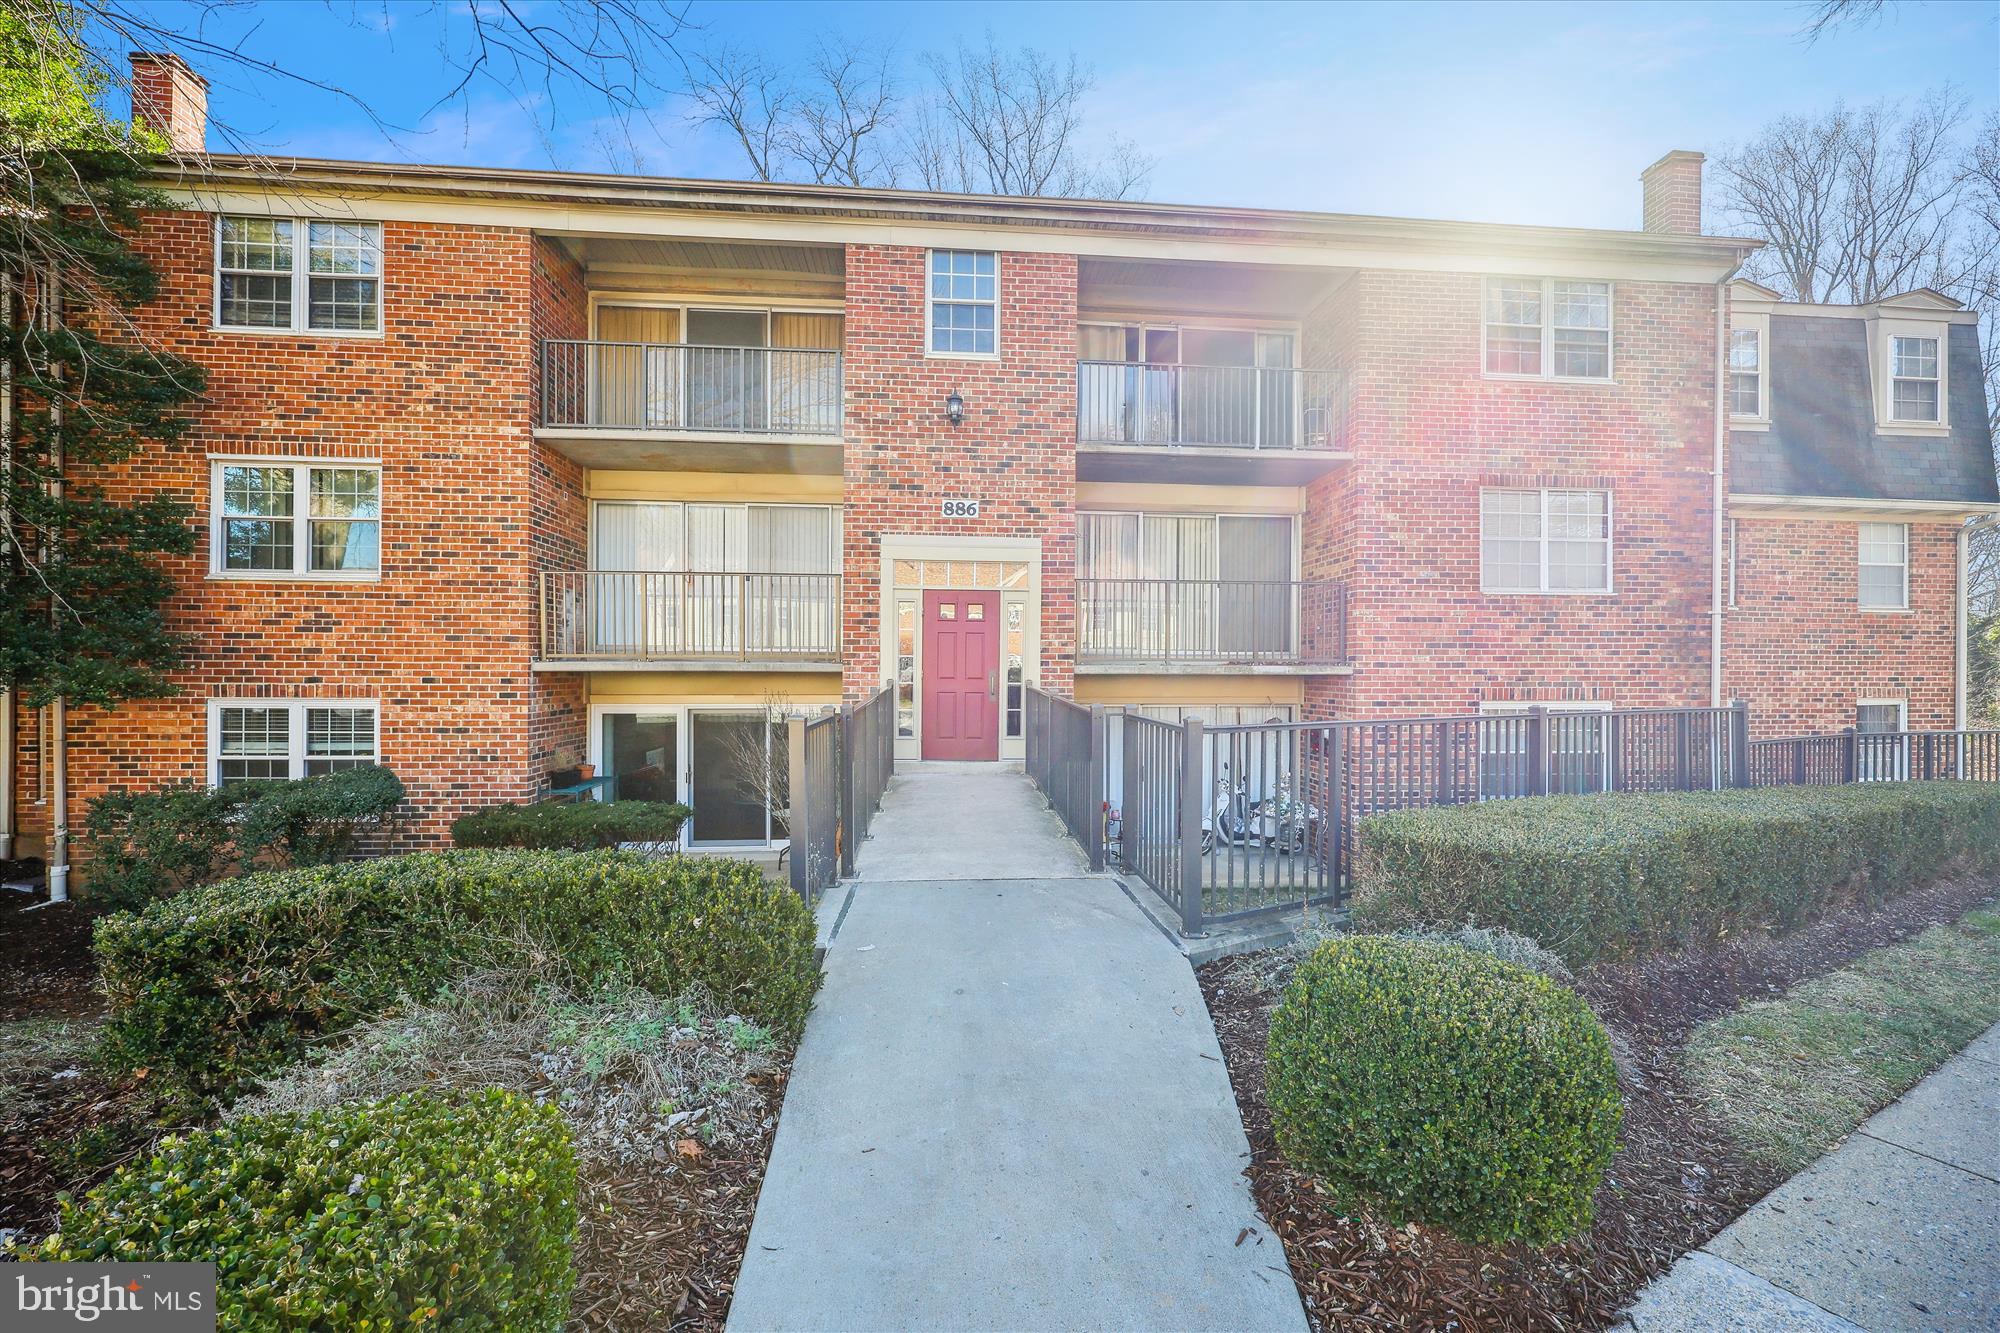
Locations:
(1540, 113)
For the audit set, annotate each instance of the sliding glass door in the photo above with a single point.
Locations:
(737, 777)
(727, 763)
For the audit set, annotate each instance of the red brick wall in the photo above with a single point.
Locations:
(1015, 451)
(559, 512)
(1798, 647)
(443, 639)
(1428, 431)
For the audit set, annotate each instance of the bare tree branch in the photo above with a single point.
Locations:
(736, 90)
(1824, 17)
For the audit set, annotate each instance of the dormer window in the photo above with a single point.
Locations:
(1916, 390)
(1746, 373)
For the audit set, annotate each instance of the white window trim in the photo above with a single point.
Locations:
(1758, 323)
(930, 300)
(1864, 608)
(296, 758)
(1610, 376)
(1883, 356)
(1902, 707)
(1610, 588)
(301, 280)
(301, 521)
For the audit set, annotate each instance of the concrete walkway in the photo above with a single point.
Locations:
(1898, 1228)
(1009, 1110)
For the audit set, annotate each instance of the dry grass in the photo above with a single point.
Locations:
(1789, 1078)
(34, 1051)
(670, 1101)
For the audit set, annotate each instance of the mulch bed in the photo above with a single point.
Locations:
(46, 967)
(1675, 1182)
(673, 1240)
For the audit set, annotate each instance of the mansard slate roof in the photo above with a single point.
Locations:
(1822, 440)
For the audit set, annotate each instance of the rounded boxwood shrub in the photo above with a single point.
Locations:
(409, 1213)
(1444, 1086)
(224, 982)
(578, 827)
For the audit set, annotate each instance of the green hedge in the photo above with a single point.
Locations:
(578, 827)
(1596, 877)
(1439, 1085)
(228, 981)
(143, 845)
(409, 1213)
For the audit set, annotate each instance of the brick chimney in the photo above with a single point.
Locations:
(170, 98)
(1672, 188)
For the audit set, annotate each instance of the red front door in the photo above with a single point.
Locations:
(961, 675)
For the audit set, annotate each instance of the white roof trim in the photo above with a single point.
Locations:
(1819, 506)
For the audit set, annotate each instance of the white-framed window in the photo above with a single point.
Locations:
(1544, 541)
(1746, 374)
(293, 519)
(1916, 381)
(1881, 751)
(253, 740)
(1578, 757)
(298, 275)
(1880, 715)
(1883, 577)
(1548, 328)
(962, 309)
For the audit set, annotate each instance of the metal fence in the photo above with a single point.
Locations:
(870, 744)
(1895, 756)
(838, 766)
(1248, 622)
(1065, 745)
(610, 614)
(688, 387)
(1245, 407)
(1225, 822)
(813, 769)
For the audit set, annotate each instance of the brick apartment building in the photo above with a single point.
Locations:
(503, 470)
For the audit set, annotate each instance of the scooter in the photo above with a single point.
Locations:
(1232, 814)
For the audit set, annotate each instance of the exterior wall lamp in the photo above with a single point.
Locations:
(954, 409)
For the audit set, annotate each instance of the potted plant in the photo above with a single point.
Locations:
(566, 769)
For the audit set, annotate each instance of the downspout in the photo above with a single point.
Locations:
(1718, 499)
(58, 757)
(1962, 713)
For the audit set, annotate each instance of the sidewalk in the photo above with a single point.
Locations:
(1898, 1228)
(1009, 1110)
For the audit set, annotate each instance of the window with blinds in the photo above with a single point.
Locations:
(713, 579)
(674, 367)
(1185, 585)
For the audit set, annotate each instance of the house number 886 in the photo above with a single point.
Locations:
(961, 508)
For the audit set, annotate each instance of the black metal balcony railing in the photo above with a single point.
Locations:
(1244, 407)
(685, 387)
(604, 614)
(1238, 622)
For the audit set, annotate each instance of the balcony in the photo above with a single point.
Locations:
(692, 406)
(1221, 625)
(1260, 424)
(597, 620)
